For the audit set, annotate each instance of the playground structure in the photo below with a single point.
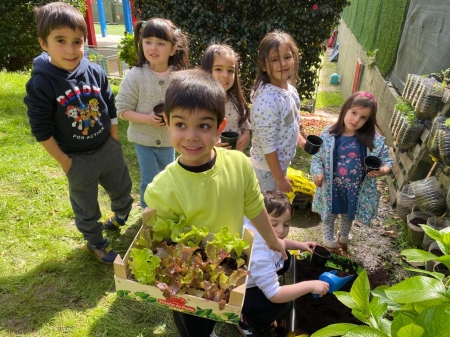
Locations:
(128, 18)
(108, 59)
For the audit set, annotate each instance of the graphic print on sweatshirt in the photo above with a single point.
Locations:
(85, 117)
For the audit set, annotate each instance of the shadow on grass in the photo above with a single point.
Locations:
(78, 283)
(126, 317)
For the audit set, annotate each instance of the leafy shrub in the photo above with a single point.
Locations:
(18, 30)
(242, 24)
(127, 50)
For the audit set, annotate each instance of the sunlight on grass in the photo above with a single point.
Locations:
(329, 99)
(110, 29)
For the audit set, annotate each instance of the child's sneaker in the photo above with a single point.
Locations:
(113, 223)
(246, 330)
(102, 252)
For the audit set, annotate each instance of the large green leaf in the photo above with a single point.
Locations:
(410, 330)
(416, 289)
(334, 330)
(436, 321)
(365, 331)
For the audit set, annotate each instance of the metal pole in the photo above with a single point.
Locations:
(101, 17)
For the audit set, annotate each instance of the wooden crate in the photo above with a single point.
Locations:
(127, 287)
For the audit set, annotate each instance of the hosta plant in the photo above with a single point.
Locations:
(176, 260)
(418, 306)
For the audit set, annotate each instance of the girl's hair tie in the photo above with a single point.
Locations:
(368, 95)
(216, 49)
(144, 23)
(177, 31)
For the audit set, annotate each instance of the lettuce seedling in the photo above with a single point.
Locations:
(143, 265)
(167, 229)
(225, 239)
(194, 237)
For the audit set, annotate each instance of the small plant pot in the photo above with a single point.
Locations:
(159, 111)
(441, 268)
(433, 249)
(372, 163)
(229, 137)
(313, 144)
(414, 220)
(320, 256)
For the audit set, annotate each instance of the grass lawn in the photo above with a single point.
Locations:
(49, 287)
(110, 29)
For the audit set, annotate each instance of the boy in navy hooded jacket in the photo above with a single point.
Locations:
(72, 114)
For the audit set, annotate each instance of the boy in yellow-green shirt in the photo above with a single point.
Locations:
(209, 186)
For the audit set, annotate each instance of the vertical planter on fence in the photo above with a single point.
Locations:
(432, 140)
(409, 134)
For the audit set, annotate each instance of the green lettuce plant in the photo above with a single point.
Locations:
(171, 259)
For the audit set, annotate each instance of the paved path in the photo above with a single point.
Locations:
(108, 41)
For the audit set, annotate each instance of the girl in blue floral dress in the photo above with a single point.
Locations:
(343, 186)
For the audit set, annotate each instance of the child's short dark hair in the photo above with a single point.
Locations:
(56, 15)
(276, 202)
(195, 89)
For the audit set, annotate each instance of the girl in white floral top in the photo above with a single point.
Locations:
(275, 111)
(223, 63)
(343, 186)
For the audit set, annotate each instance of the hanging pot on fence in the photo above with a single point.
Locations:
(401, 120)
(432, 140)
(408, 135)
(443, 138)
(405, 201)
(394, 120)
(429, 196)
(413, 82)
(427, 102)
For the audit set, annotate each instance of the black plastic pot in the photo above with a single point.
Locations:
(320, 256)
(414, 220)
(313, 144)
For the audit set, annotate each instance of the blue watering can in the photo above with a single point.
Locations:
(335, 282)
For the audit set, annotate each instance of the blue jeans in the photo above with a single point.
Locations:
(152, 160)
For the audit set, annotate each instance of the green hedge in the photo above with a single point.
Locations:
(243, 23)
(18, 31)
(377, 24)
